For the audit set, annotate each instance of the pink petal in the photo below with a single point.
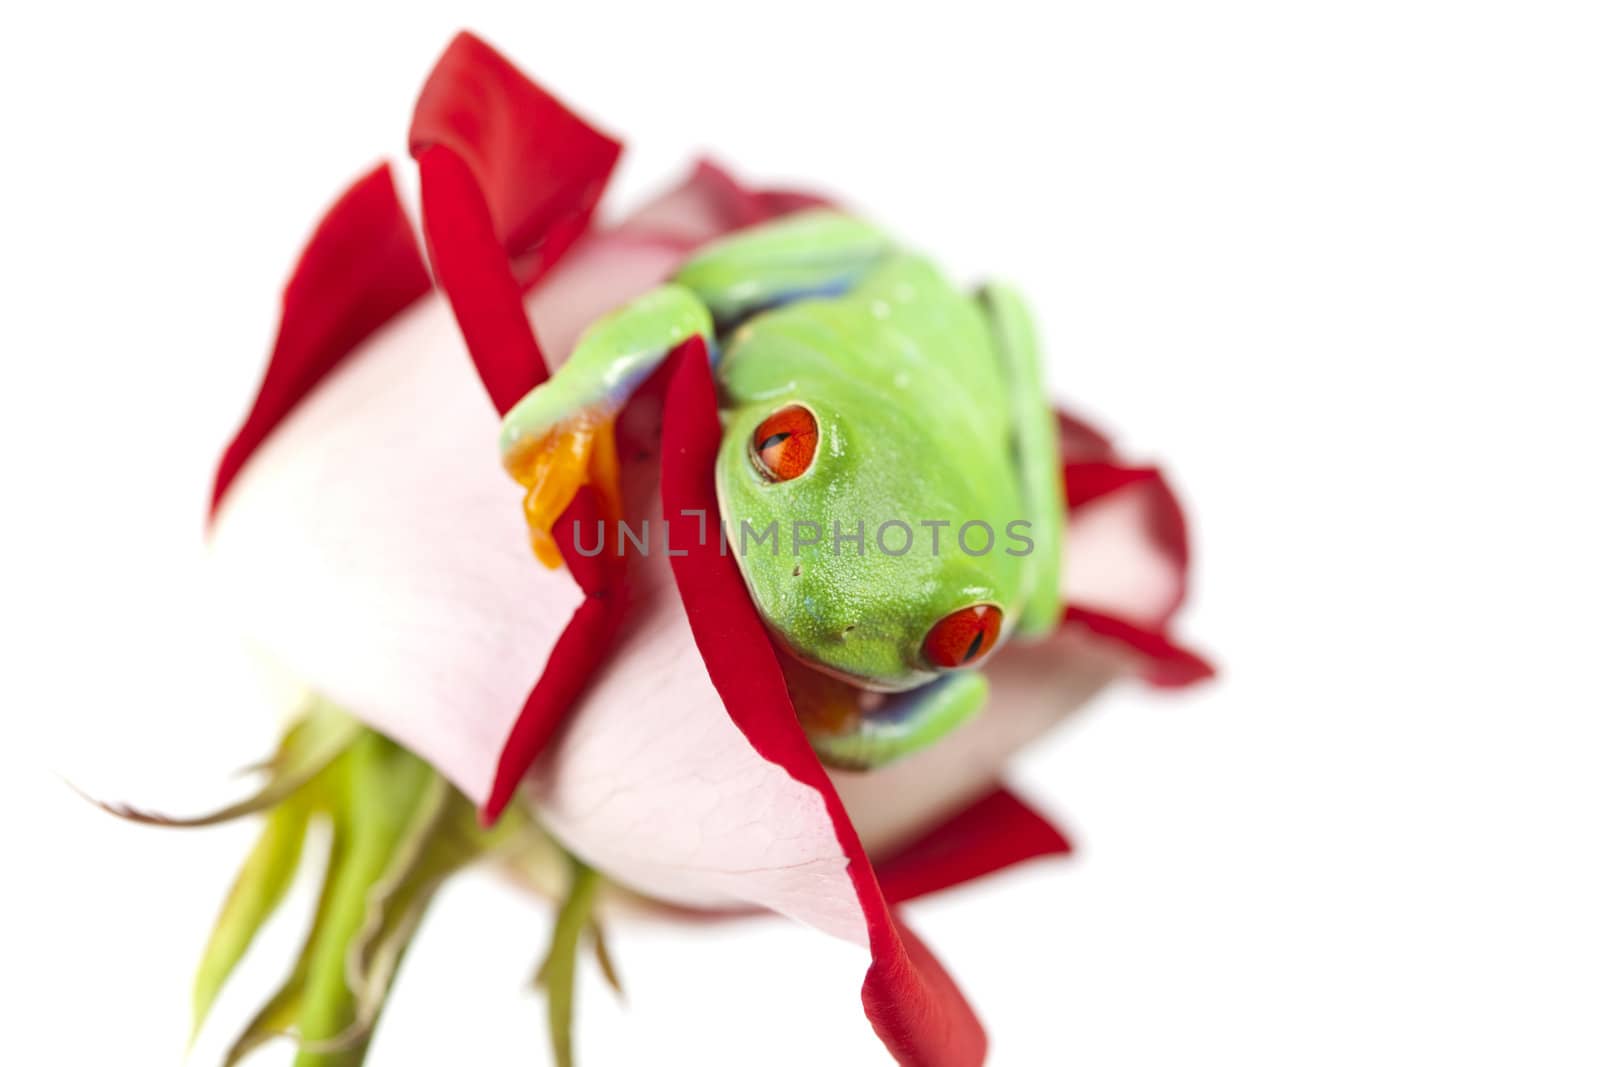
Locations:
(375, 548)
(916, 1009)
(360, 269)
(651, 782)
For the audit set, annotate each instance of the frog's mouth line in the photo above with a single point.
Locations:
(854, 681)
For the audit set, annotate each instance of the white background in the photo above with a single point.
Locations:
(1336, 265)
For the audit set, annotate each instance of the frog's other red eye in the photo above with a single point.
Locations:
(785, 443)
(963, 637)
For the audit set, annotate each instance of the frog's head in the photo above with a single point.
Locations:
(832, 505)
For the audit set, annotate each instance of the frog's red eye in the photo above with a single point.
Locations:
(785, 443)
(963, 637)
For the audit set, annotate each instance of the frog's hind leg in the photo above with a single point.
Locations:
(853, 730)
(1037, 453)
(810, 253)
(559, 437)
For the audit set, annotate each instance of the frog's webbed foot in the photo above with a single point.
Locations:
(552, 465)
(852, 729)
(561, 436)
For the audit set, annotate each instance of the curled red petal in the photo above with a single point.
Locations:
(1089, 480)
(360, 269)
(996, 831)
(541, 168)
(1081, 441)
(475, 275)
(1161, 660)
(583, 645)
(915, 1006)
(704, 207)
(742, 206)
(1097, 483)
(578, 653)
(1159, 520)
(911, 1001)
(510, 179)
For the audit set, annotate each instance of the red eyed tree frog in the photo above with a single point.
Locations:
(888, 475)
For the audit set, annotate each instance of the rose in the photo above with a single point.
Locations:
(371, 545)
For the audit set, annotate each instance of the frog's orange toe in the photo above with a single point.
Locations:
(553, 466)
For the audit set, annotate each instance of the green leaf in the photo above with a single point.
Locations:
(256, 894)
(277, 1018)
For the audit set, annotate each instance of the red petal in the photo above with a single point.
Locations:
(912, 1003)
(1081, 441)
(1089, 483)
(589, 636)
(360, 269)
(915, 1006)
(541, 169)
(994, 832)
(1163, 662)
(475, 275)
(1090, 480)
(1094, 477)
(742, 206)
(508, 174)
(510, 179)
(708, 198)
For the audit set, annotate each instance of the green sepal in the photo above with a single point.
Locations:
(278, 1016)
(381, 793)
(557, 973)
(255, 896)
(399, 830)
(310, 745)
(407, 830)
(602, 956)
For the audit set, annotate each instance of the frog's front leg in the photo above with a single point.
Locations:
(560, 436)
(854, 730)
(810, 253)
